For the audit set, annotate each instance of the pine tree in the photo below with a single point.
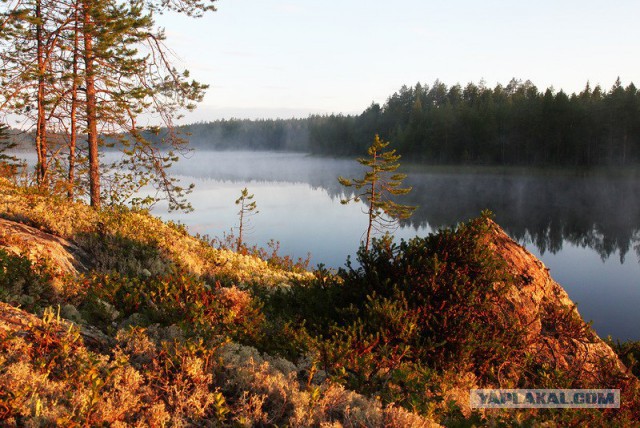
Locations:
(377, 187)
(103, 63)
(127, 63)
(30, 39)
(247, 209)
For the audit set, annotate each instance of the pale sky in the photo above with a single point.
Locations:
(284, 58)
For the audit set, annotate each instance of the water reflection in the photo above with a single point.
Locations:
(599, 213)
(544, 210)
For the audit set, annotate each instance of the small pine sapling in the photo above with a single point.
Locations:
(248, 208)
(379, 184)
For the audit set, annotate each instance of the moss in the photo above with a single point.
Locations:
(123, 239)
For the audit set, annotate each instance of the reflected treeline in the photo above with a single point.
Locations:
(599, 213)
(603, 214)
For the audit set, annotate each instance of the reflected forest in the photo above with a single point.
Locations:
(603, 214)
(542, 210)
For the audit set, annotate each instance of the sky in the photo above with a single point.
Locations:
(286, 58)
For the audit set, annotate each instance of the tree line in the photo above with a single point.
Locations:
(516, 124)
(264, 134)
(78, 74)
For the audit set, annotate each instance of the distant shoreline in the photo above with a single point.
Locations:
(409, 167)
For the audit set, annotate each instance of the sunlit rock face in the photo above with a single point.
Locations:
(61, 254)
(556, 335)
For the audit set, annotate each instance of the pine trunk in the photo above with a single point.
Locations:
(74, 106)
(240, 228)
(92, 117)
(41, 125)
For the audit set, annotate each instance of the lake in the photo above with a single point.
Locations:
(586, 229)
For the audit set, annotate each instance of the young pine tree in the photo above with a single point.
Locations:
(247, 209)
(379, 184)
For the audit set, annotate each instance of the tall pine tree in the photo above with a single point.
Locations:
(103, 63)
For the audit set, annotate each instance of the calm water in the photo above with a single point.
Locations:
(585, 229)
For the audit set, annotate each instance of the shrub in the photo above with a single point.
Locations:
(124, 255)
(421, 322)
(629, 353)
(48, 378)
(426, 304)
(178, 297)
(24, 283)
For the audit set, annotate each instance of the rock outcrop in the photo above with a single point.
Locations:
(555, 331)
(62, 255)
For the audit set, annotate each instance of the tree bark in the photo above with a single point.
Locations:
(74, 105)
(240, 228)
(92, 117)
(41, 124)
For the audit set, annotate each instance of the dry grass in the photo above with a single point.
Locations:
(77, 222)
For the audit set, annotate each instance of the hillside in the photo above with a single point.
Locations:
(114, 317)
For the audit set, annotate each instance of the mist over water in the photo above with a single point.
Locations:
(586, 229)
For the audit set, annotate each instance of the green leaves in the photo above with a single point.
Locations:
(24, 283)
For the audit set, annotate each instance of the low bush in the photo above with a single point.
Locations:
(411, 314)
(124, 255)
(176, 298)
(427, 304)
(25, 284)
(629, 353)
